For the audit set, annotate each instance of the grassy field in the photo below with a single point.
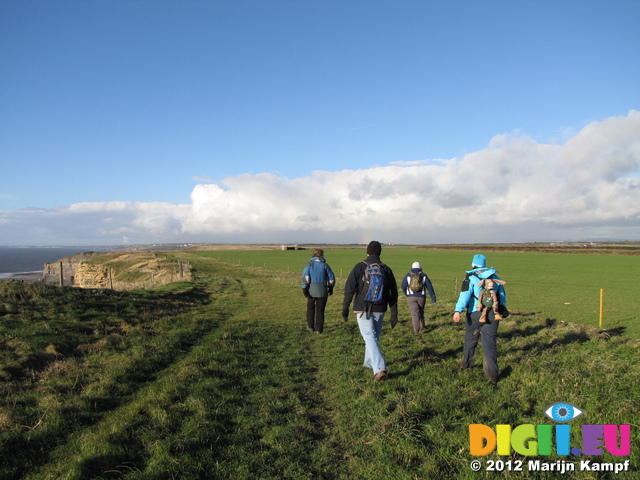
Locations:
(563, 287)
(218, 378)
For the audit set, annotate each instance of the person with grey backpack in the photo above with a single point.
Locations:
(415, 286)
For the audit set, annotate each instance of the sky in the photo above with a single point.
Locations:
(253, 121)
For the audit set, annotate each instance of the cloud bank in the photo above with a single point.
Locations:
(515, 190)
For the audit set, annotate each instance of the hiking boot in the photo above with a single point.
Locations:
(309, 329)
(483, 317)
(381, 375)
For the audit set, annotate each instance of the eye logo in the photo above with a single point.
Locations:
(563, 412)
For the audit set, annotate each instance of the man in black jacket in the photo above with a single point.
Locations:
(370, 314)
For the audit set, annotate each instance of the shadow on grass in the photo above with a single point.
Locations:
(103, 467)
(541, 344)
(181, 440)
(614, 332)
(529, 332)
(426, 356)
(505, 372)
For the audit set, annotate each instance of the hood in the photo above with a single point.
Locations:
(482, 272)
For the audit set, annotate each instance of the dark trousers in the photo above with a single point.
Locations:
(315, 313)
(488, 333)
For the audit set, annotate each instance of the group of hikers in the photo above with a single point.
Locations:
(372, 287)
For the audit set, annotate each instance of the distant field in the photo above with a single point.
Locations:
(559, 286)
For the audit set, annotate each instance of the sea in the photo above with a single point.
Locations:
(21, 260)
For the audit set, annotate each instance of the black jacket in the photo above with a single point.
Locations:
(354, 282)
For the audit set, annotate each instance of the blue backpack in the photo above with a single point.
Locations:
(373, 283)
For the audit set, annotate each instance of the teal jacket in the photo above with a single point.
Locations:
(468, 299)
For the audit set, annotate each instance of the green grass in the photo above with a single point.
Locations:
(219, 379)
(563, 287)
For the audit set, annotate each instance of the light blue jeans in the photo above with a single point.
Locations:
(370, 329)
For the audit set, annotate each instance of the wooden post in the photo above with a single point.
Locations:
(61, 275)
(110, 278)
(601, 297)
(455, 288)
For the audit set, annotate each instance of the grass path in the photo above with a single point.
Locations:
(245, 398)
(234, 387)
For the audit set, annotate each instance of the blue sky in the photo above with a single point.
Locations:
(141, 121)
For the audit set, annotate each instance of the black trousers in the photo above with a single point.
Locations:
(315, 313)
(488, 333)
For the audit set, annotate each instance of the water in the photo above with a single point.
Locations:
(32, 259)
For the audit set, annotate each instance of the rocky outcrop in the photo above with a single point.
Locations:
(117, 271)
(64, 271)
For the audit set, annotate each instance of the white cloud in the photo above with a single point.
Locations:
(201, 179)
(514, 190)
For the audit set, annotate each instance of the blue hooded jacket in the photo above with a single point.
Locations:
(318, 277)
(469, 299)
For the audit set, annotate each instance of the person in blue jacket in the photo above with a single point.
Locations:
(474, 329)
(317, 284)
(417, 299)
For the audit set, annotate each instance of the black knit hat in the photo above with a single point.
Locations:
(374, 248)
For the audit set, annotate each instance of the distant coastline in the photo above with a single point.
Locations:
(27, 263)
(27, 277)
